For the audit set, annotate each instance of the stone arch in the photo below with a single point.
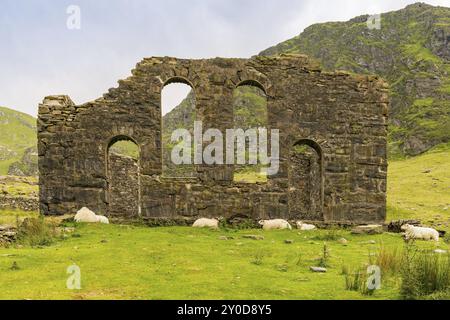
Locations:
(177, 79)
(253, 83)
(306, 180)
(123, 176)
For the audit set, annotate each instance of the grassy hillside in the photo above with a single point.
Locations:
(411, 51)
(419, 188)
(17, 140)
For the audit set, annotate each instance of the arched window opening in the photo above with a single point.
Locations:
(178, 112)
(249, 114)
(123, 174)
(305, 181)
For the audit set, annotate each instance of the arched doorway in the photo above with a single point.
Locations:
(123, 173)
(306, 181)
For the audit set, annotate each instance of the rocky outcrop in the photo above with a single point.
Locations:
(27, 166)
(19, 193)
(411, 50)
(8, 235)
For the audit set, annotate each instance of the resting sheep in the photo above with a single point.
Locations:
(86, 215)
(412, 232)
(275, 224)
(305, 226)
(102, 219)
(206, 223)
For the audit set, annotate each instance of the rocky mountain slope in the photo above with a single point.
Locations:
(18, 153)
(411, 51)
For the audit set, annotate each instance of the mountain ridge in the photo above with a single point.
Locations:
(411, 51)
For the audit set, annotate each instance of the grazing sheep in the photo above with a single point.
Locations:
(412, 232)
(206, 223)
(275, 224)
(305, 226)
(103, 219)
(85, 215)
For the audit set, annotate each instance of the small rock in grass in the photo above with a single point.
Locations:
(288, 241)
(224, 238)
(343, 241)
(318, 269)
(368, 229)
(253, 237)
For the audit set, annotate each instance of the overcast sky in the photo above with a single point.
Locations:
(40, 56)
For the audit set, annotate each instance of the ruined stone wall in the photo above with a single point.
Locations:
(123, 189)
(342, 117)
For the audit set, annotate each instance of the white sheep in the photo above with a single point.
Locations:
(85, 215)
(206, 223)
(412, 232)
(102, 219)
(305, 226)
(275, 224)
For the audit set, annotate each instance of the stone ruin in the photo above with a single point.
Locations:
(338, 118)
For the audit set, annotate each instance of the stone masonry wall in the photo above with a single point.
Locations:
(342, 117)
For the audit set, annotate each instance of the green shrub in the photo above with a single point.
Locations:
(323, 260)
(424, 273)
(329, 235)
(356, 280)
(389, 260)
(258, 258)
(36, 232)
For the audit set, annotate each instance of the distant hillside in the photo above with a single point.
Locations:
(18, 154)
(411, 51)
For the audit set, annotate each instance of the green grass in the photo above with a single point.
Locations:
(12, 216)
(17, 133)
(120, 262)
(184, 263)
(19, 186)
(419, 188)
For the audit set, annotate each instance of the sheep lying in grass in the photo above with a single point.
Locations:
(305, 226)
(412, 232)
(275, 224)
(102, 219)
(86, 215)
(206, 223)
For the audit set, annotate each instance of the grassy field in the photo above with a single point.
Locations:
(122, 262)
(129, 262)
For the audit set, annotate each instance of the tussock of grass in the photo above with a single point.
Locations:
(424, 273)
(36, 232)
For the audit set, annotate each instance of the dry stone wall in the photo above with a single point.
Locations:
(342, 117)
